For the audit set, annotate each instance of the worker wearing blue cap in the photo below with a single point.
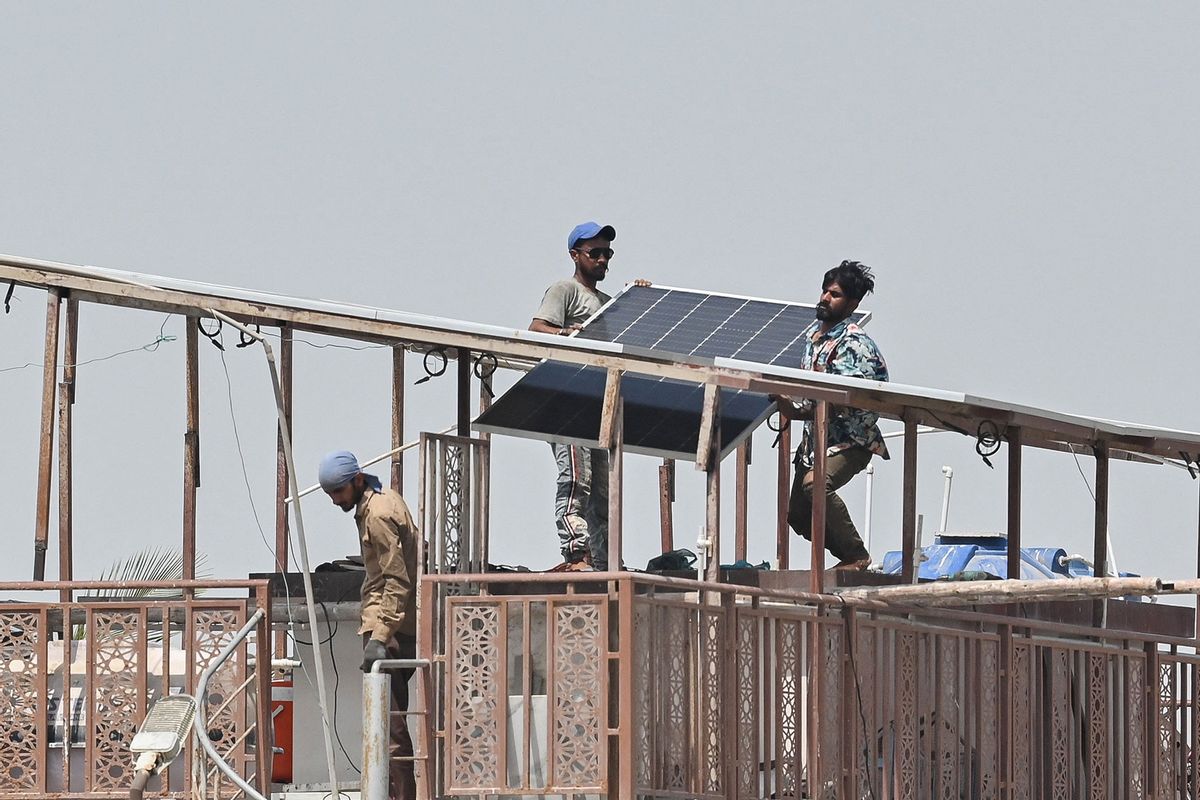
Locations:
(581, 498)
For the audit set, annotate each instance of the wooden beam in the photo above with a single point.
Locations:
(710, 417)
(1100, 545)
(191, 446)
(608, 409)
(908, 523)
(666, 499)
(397, 481)
(820, 431)
(959, 593)
(740, 500)
(783, 539)
(66, 399)
(464, 392)
(41, 528)
(281, 470)
(712, 521)
(1014, 503)
(616, 461)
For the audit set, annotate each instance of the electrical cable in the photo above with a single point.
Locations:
(436, 371)
(987, 441)
(149, 347)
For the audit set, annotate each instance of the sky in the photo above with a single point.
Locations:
(1022, 177)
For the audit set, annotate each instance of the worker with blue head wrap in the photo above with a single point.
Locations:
(388, 541)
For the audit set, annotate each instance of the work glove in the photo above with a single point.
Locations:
(373, 652)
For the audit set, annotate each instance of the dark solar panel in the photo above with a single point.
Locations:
(562, 402)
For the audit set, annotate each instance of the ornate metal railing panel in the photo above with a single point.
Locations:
(78, 677)
(674, 689)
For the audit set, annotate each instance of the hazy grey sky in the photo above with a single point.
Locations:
(1023, 177)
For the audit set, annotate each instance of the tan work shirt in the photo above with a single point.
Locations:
(388, 540)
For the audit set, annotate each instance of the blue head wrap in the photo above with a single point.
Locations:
(339, 468)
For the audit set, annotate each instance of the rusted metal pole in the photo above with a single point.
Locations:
(41, 528)
(666, 499)
(820, 437)
(464, 392)
(66, 399)
(263, 755)
(1014, 503)
(740, 501)
(398, 416)
(191, 447)
(281, 470)
(783, 493)
(616, 469)
(1100, 550)
(626, 778)
(908, 539)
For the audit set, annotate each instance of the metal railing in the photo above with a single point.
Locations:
(78, 675)
(632, 685)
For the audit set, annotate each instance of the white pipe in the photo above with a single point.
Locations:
(201, 728)
(286, 438)
(949, 473)
(402, 448)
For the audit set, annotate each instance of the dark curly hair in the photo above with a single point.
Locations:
(856, 279)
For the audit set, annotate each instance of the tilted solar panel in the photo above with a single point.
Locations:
(562, 402)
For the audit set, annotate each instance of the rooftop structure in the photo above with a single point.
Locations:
(723, 684)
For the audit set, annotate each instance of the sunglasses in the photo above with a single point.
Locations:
(597, 252)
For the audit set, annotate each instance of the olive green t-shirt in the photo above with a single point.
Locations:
(569, 303)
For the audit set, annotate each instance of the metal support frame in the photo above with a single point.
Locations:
(397, 470)
(464, 392)
(281, 469)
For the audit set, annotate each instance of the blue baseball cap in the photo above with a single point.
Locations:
(590, 230)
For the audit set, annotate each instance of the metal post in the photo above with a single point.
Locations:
(191, 448)
(1100, 549)
(868, 512)
(1013, 570)
(264, 754)
(66, 399)
(712, 520)
(782, 494)
(398, 416)
(944, 521)
(819, 479)
(376, 713)
(909, 518)
(41, 529)
(740, 501)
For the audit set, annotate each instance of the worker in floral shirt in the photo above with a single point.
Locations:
(834, 344)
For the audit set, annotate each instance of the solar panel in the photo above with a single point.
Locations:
(562, 402)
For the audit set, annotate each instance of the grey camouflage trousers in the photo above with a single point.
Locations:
(581, 503)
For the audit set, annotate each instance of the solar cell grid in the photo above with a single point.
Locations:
(562, 402)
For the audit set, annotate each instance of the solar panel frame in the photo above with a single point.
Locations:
(650, 403)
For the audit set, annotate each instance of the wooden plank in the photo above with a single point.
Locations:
(908, 524)
(740, 502)
(281, 469)
(1014, 503)
(66, 399)
(464, 392)
(712, 521)
(191, 446)
(709, 420)
(608, 409)
(397, 481)
(666, 499)
(41, 528)
(1100, 545)
(820, 430)
(616, 461)
(783, 486)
